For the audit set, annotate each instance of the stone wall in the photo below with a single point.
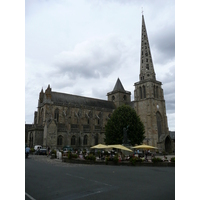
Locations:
(73, 121)
(149, 108)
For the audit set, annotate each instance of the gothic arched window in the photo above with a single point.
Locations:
(96, 139)
(99, 118)
(85, 140)
(140, 93)
(31, 140)
(59, 140)
(56, 115)
(79, 141)
(159, 124)
(157, 91)
(73, 140)
(144, 91)
(154, 91)
(41, 116)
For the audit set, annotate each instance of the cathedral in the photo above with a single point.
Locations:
(69, 120)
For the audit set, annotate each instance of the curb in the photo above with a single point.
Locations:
(125, 163)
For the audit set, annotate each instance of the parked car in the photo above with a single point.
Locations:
(36, 147)
(68, 148)
(41, 152)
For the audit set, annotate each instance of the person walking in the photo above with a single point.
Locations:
(48, 151)
(27, 151)
(146, 153)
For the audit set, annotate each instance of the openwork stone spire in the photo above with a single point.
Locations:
(146, 62)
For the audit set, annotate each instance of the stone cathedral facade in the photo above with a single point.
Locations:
(64, 119)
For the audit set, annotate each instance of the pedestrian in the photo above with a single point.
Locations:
(152, 155)
(38, 151)
(48, 151)
(27, 151)
(146, 152)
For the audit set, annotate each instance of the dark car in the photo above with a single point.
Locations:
(68, 148)
(41, 152)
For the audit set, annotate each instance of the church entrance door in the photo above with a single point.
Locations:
(168, 144)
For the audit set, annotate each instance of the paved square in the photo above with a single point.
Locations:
(52, 179)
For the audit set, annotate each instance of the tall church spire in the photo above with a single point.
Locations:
(146, 62)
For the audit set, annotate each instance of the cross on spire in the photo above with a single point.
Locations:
(142, 11)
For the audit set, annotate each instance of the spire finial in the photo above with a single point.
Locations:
(142, 11)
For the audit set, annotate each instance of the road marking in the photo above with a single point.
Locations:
(100, 182)
(83, 194)
(88, 179)
(29, 196)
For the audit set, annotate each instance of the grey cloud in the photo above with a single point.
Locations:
(91, 59)
(171, 121)
(169, 90)
(62, 83)
(169, 87)
(164, 45)
(128, 1)
(170, 102)
(170, 107)
(169, 84)
(170, 98)
(169, 76)
(100, 93)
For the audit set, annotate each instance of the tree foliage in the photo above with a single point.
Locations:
(124, 116)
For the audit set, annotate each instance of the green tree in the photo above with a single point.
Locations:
(123, 117)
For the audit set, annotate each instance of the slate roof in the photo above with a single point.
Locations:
(118, 86)
(63, 98)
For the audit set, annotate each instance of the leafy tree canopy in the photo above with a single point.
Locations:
(124, 117)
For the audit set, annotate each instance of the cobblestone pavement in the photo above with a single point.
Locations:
(57, 162)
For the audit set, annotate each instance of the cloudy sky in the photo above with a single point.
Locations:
(81, 47)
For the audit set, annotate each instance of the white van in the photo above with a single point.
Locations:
(37, 147)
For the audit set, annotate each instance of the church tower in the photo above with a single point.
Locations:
(149, 100)
(119, 95)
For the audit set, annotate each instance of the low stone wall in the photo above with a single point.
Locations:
(122, 163)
